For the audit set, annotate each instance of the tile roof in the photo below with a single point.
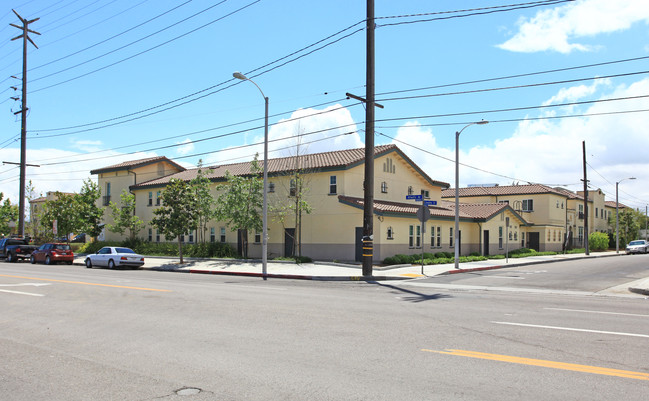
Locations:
(505, 190)
(612, 204)
(135, 163)
(478, 211)
(334, 159)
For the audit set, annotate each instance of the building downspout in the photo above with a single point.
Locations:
(480, 239)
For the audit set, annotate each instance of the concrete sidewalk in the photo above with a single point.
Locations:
(326, 271)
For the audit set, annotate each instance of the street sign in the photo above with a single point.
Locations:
(430, 203)
(423, 213)
(415, 197)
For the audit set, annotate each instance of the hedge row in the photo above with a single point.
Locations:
(203, 250)
(447, 257)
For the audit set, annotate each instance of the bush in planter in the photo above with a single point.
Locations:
(598, 241)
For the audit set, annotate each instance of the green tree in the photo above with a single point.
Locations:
(63, 210)
(90, 215)
(200, 186)
(124, 218)
(177, 215)
(629, 225)
(8, 213)
(598, 241)
(240, 203)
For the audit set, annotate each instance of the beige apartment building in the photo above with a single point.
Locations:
(556, 216)
(332, 231)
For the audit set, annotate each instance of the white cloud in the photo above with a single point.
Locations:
(87, 145)
(550, 151)
(575, 93)
(555, 29)
(312, 130)
(186, 148)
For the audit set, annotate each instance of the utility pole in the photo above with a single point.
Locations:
(368, 187)
(23, 126)
(585, 200)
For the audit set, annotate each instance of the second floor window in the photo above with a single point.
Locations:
(157, 198)
(292, 188)
(384, 187)
(528, 205)
(333, 187)
(150, 198)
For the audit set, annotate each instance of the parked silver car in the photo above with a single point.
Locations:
(114, 256)
(637, 246)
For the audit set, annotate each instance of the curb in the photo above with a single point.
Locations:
(283, 276)
(523, 263)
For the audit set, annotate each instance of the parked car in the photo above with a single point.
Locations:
(16, 248)
(637, 246)
(52, 253)
(114, 256)
(79, 238)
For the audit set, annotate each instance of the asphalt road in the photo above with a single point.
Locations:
(70, 333)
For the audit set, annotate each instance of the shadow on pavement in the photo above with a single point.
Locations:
(415, 296)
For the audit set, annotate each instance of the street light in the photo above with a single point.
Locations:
(617, 216)
(264, 240)
(457, 190)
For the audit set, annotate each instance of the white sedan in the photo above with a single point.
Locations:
(114, 256)
(637, 246)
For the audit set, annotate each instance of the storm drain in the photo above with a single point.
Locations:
(188, 391)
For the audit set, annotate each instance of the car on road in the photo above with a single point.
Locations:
(52, 253)
(637, 246)
(15, 248)
(114, 256)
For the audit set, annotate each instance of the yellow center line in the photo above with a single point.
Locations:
(84, 283)
(546, 364)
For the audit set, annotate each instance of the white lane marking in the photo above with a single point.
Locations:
(23, 293)
(596, 311)
(573, 329)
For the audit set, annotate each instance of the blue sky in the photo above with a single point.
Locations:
(115, 80)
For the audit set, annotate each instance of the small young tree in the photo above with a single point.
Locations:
(200, 186)
(90, 214)
(177, 215)
(8, 213)
(63, 210)
(124, 217)
(240, 203)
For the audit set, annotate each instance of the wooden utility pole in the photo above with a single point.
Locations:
(585, 200)
(23, 111)
(368, 199)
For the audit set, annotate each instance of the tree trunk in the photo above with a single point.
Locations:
(180, 250)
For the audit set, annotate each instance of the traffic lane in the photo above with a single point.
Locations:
(321, 342)
(591, 275)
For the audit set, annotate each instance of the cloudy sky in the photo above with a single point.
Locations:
(115, 80)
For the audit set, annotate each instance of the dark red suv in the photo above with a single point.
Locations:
(52, 253)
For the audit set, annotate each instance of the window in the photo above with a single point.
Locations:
(450, 237)
(409, 190)
(439, 237)
(557, 204)
(500, 237)
(191, 236)
(384, 187)
(157, 236)
(390, 233)
(549, 235)
(414, 236)
(271, 187)
(150, 234)
(510, 235)
(292, 188)
(528, 205)
(432, 236)
(107, 196)
(425, 194)
(222, 234)
(515, 235)
(257, 237)
(522, 240)
(150, 198)
(182, 238)
(212, 234)
(157, 198)
(596, 213)
(581, 235)
(554, 235)
(504, 201)
(333, 188)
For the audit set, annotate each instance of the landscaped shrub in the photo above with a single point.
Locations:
(444, 255)
(203, 250)
(598, 241)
